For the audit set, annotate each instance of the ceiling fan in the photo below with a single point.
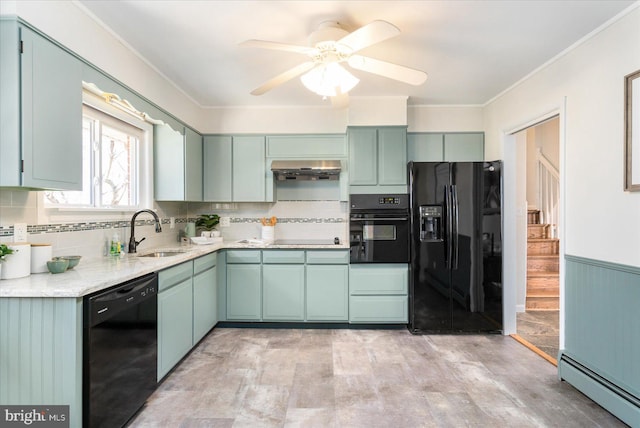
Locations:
(330, 47)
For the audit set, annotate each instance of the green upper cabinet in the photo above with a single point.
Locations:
(392, 156)
(41, 105)
(218, 155)
(363, 156)
(306, 146)
(377, 159)
(453, 147)
(177, 164)
(234, 168)
(248, 169)
(464, 147)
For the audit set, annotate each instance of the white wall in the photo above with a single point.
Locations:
(446, 119)
(601, 220)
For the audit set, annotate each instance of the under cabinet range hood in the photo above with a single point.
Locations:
(309, 170)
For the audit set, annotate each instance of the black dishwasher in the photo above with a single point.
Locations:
(120, 345)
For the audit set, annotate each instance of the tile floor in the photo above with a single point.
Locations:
(541, 329)
(365, 378)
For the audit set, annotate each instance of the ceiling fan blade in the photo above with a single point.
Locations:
(388, 69)
(340, 100)
(264, 44)
(370, 34)
(284, 77)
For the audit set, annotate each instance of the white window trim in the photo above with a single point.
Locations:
(145, 172)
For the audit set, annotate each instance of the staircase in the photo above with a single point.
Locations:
(543, 292)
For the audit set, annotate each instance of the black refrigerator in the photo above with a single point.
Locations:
(455, 281)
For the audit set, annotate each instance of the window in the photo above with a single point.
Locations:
(111, 154)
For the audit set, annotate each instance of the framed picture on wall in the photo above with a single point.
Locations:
(632, 132)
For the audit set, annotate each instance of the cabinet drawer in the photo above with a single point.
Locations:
(378, 279)
(244, 256)
(378, 309)
(329, 257)
(283, 256)
(170, 277)
(205, 262)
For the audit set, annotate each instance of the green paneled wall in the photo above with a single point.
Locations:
(602, 324)
(41, 353)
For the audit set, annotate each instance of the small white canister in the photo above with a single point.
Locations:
(268, 233)
(40, 254)
(18, 264)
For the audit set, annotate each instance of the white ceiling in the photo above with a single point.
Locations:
(471, 50)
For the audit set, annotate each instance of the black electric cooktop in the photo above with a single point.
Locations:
(306, 242)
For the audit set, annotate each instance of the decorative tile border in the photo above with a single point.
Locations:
(120, 224)
(288, 220)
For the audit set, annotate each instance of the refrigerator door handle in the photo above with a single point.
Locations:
(454, 227)
(449, 227)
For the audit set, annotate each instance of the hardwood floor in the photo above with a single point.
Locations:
(365, 378)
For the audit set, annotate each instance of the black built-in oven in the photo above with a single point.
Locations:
(379, 228)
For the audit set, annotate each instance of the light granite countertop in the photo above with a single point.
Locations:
(97, 274)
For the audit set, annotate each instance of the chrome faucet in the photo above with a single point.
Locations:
(133, 244)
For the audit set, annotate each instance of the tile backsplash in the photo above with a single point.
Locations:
(88, 234)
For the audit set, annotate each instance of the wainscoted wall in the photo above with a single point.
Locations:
(41, 352)
(602, 334)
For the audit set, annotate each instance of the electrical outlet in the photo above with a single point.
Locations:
(20, 232)
(225, 221)
(172, 222)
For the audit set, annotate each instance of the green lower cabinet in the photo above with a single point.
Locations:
(378, 293)
(283, 292)
(175, 325)
(205, 303)
(244, 297)
(328, 293)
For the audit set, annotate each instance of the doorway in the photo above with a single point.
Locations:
(538, 195)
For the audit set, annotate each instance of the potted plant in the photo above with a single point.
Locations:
(4, 251)
(208, 222)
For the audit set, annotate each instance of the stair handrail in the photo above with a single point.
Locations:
(548, 192)
(548, 165)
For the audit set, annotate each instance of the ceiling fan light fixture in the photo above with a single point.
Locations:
(329, 79)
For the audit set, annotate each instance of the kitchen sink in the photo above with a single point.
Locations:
(164, 253)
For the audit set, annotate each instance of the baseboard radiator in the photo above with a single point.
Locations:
(624, 405)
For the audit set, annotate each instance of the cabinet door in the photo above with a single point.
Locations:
(175, 318)
(327, 292)
(169, 164)
(193, 178)
(464, 147)
(51, 115)
(392, 156)
(10, 147)
(243, 292)
(205, 303)
(363, 156)
(248, 169)
(283, 289)
(425, 147)
(217, 167)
